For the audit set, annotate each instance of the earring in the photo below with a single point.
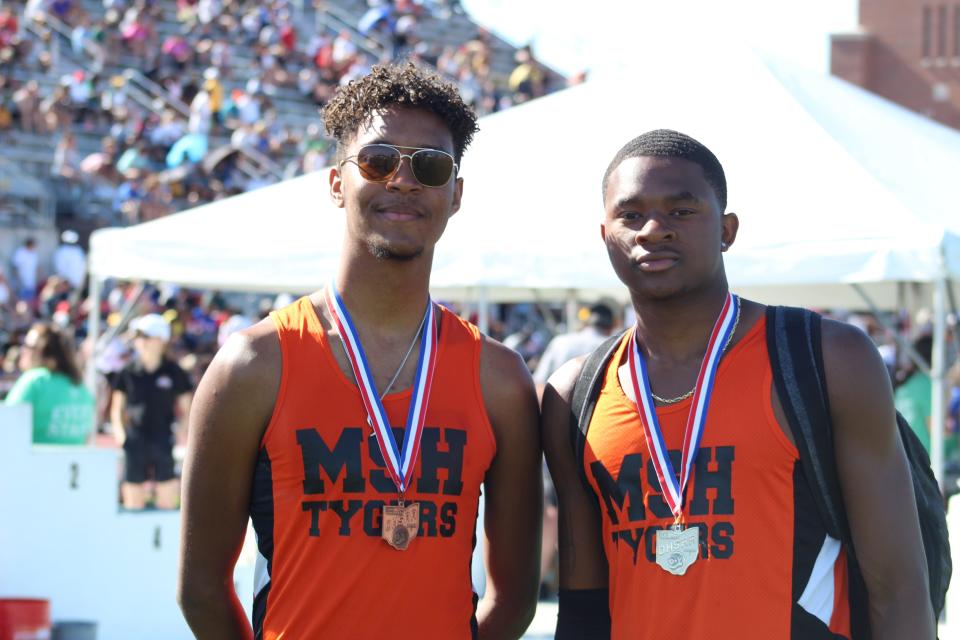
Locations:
(723, 246)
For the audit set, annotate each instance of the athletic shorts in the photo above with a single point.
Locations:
(148, 459)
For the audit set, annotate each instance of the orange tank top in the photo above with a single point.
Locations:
(320, 486)
(766, 568)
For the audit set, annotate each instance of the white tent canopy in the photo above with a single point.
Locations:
(833, 186)
(828, 181)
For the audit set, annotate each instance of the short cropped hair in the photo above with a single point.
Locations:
(667, 143)
(400, 85)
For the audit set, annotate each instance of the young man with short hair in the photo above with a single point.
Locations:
(689, 515)
(356, 425)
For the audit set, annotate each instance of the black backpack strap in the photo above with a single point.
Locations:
(796, 358)
(585, 394)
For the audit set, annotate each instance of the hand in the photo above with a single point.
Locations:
(120, 435)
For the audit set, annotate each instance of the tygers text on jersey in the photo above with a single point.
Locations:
(766, 568)
(321, 484)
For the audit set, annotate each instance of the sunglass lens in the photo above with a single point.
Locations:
(377, 162)
(432, 168)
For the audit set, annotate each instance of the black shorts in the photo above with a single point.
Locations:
(148, 459)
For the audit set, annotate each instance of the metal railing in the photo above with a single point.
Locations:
(334, 20)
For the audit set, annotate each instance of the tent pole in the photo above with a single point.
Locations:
(483, 311)
(126, 312)
(902, 342)
(93, 333)
(952, 308)
(938, 377)
(571, 311)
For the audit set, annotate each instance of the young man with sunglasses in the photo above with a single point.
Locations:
(739, 551)
(356, 425)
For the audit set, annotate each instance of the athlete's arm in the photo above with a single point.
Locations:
(118, 405)
(877, 487)
(514, 496)
(584, 611)
(231, 409)
(184, 401)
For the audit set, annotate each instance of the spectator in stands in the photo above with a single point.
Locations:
(102, 163)
(54, 291)
(128, 197)
(343, 52)
(66, 161)
(80, 88)
(201, 114)
(63, 409)
(26, 270)
(6, 298)
(214, 89)
(27, 102)
(7, 107)
(566, 346)
(147, 395)
(55, 110)
(136, 31)
(113, 98)
(913, 397)
(64, 10)
(527, 79)
(9, 27)
(70, 260)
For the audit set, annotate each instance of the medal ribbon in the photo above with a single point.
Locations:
(400, 461)
(671, 489)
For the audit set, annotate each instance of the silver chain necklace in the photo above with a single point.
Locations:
(402, 362)
(686, 395)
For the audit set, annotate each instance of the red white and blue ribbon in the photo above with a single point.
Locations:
(671, 488)
(400, 461)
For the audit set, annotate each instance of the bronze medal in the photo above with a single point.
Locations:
(400, 524)
(400, 538)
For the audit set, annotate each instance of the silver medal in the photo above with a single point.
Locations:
(677, 549)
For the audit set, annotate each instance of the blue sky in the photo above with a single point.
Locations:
(598, 35)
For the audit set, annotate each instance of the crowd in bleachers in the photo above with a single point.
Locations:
(196, 100)
(150, 107)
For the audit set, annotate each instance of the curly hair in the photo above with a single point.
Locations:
(405, 85)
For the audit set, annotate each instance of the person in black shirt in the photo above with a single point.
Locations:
(147, 395)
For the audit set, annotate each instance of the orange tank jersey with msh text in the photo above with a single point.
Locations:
(320, 485)
(766, 568)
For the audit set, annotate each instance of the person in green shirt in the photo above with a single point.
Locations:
(913, 398)
(63, 409)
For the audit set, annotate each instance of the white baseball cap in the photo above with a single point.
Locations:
(152, 325)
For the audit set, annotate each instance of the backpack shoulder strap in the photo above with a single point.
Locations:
(796, 359)
(585, 394)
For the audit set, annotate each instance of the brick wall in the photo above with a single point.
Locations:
(907, 51)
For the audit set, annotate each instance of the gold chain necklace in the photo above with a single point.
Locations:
(686, 395)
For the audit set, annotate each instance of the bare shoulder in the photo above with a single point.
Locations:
(555, 411)
(244, 377)
(562, 381)
(850, 356)
(509, 394)
(858, 385)
(503, 373)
